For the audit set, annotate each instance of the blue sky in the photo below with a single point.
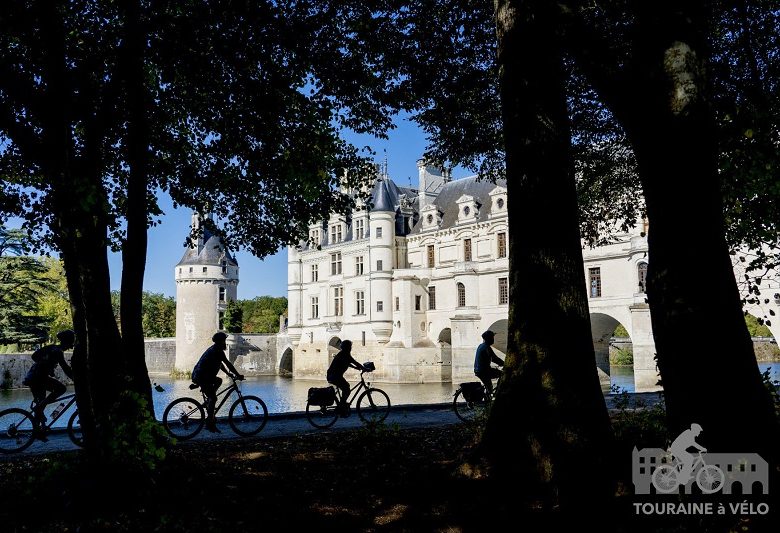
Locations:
(268, 277)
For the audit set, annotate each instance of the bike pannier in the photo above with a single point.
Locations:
(323, 397)
(473, 391)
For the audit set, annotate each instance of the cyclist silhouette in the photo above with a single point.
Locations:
(484, 356)
(205, 374)
(679, 449)
(341, 362)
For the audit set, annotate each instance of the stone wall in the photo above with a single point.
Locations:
(14, 366)
(160, 355)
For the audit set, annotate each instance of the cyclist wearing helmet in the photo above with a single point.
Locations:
(679, 449)
(205, 375)
(40, 377)
(482, 360)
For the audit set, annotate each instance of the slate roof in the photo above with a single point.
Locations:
(208, 251)
(447, 200)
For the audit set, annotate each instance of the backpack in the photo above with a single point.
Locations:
(324, 396)
(473, 391)
(42, 355)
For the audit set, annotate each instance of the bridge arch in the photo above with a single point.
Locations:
(286, 363)
(603, 325)
(501, 329)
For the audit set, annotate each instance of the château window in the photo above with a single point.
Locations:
(205, 270)
(641, 270)
(360, 303)
(338, 301)
(360, 229)
(501, 244)
(222, 294)
(380, 305)
(224, 267)
(431, 256)
(359, 266)
(461, 295)
(467, 249)
(190, 270)
(379, 265)
(335, 234)
(335, 264)
(503, 291)
(315, 272)
(379, 233)
(221, 320)
(417, 303)
(314, 237)
(397, 303)
(431, 298)
(315, 307)
(594, 275)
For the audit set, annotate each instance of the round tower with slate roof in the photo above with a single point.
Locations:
(206, 280)
(382, 235)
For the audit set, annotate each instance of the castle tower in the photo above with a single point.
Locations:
(382, 232)
(206, 280)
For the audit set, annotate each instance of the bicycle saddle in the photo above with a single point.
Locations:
(193, 386)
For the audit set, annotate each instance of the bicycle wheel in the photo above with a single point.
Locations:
(16, 430)
(74, 430)
(373, 406)
(710, 479)
(183, 418)
(321, 417)
(469, 411)
(248, 415)
(665, 479)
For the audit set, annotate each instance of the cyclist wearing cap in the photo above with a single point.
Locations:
(205, 375)
(482, 360)
(341, 362)
(40, 377)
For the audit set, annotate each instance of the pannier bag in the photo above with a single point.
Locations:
(473, 391)
(369, 366)
(322, 396)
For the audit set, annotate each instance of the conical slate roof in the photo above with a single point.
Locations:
(207, 251)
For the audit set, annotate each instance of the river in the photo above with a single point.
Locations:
(282, 395)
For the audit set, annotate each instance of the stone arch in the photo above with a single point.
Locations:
(334, 345)
(445, 336)
(501, 329)
(602, 327)
(286, 363)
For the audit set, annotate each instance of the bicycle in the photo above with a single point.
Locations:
(373, 405)
(18, 428)
(471, 401)
(668, 477)
(185, 417)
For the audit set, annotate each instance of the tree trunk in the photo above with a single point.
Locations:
(549, 425)
(691, 287)
(134, 248)
(661, 97)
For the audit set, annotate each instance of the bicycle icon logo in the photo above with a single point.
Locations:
(665, 471)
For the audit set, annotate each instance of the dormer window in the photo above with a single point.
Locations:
(498, 201)
(431, 217)
(336, 234)
(468, 209)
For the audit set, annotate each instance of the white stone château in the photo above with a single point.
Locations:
(412, 281)
(206, 280)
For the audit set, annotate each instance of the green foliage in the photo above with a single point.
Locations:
(138, 441)
(620, 332)
(756, 327)
(158, 313)
(180, 374)
(773, 386)
(234, 315)
(261, 314)
(636, 424)
(22, 283)
(621, 356)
